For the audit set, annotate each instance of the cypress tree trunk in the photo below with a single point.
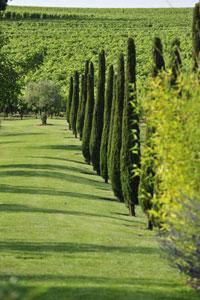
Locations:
(106, 126)
(88, 115)
(158, 60)
(80, 106)
(81, 115)
(97, 122)
(75, 103)
(175, 63)
(130, 151)
(117, 132)
(69, 101)
(112, 124)
(196, 36)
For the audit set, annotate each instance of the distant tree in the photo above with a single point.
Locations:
(196, 35)
(130, 150)
(117, 132)
(75, 103)
(97, 122)
(158, 59)
(3, 4)
(175, 61)
(87, 128)
(81, 115)
(69, 101)
(43, 96)
(106, 126)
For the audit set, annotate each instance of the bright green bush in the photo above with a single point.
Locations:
(175, 115)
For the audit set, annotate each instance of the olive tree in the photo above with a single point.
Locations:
(43, 97)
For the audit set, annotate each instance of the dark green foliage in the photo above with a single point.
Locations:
(9, 81)
(79, 106)
(130, 150)
(97, 122)
(69, 100)
(83, 98)
(175, 63)
(43, 96)
(106, 126)
(112, 123)
(196, 35)
(88, 115)
(75, 103)
(158, 59)
(147, 180)
(3, 4)
(117, 132)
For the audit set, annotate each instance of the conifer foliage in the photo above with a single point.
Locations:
(158, 59)
(176, 62)
(196, 35)
(82, 105)
(88, 114)
(112, 123)
(117, 132)
(106, 126)
(69, 101)
(97, 122)
(75, 103)
(147, 178)
(130, 151)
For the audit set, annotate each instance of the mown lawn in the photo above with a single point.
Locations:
(61, 231)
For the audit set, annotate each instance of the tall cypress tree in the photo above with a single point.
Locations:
(196, 36)
(97, 122)
(81, 115)
(80, 106)
(75, 103)
(158, 59)
(147, 180)
(88, 114)
(106, 126)
(117, 132)
(69, 101)
(130, 150)
(175, 63)
(111, 124)
(3, 4)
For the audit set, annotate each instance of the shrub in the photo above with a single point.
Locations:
(176, 201)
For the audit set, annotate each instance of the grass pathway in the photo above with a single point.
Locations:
(62, 230)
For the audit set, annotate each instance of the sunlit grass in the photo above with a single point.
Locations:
(62, 229)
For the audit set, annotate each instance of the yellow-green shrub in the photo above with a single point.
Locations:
(174, 114)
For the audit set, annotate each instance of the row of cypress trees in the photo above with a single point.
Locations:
(109, 125)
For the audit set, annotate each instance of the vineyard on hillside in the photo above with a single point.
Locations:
(67, 37)
(125, 84)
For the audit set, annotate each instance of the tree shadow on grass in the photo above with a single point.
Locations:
(60, 147)
(94, 280)
(60, 159)
(68, 177)
(71, 248)
(5, 188)
(42, 167)
(10, 208)
(22, 134)
(100, 288)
